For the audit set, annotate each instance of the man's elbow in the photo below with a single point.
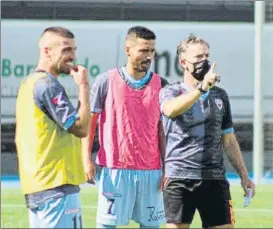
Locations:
(82, 134)
(168, 112)
(79, 131)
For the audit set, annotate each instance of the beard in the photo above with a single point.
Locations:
(63, 67)
(144, 66)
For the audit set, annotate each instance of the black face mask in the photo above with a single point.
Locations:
(201, 68)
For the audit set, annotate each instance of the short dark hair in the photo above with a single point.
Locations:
(61, 31)
(141, 32)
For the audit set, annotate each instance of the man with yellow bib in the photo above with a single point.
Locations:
(48, 132)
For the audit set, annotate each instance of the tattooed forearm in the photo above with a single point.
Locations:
(233, 152)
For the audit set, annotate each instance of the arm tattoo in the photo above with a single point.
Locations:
(234, 155)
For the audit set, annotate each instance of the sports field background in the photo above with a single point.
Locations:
(212, 13)
(259, 214)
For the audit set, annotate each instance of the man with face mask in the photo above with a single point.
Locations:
(48, 132)
(132, 144)
(198, 127)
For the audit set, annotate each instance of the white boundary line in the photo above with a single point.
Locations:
(94, 207)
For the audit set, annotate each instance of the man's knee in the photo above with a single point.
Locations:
(177, 225)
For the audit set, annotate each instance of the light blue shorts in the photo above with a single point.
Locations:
(130, 194)
(62, 212)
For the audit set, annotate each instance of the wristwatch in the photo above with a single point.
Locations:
(199, 88)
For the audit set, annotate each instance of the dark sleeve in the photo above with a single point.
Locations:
(164, 82)
(227, 123)
(53, 100)
(167, 93)
(98, 93)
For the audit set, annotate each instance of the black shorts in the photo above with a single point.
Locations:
(210, 197)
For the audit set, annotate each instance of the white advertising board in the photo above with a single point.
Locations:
(101, 46)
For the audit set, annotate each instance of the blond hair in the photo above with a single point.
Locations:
(184, 44)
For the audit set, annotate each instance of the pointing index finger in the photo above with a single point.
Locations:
(212, 66)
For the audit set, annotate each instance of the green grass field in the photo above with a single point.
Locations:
(259, 214)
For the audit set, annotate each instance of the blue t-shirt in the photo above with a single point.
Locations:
(51, 98)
